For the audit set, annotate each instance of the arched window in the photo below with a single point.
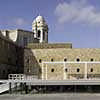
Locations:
(91, 59)
(65, 59)
(40, 60)
(52, 70)
(91, 70)
(52, 60)
(77, 59)
(39, 32)
(78, 69)
(66, 70)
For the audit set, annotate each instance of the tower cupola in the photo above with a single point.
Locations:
(40, 29)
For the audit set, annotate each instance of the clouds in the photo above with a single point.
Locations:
(77, 11)
(19, 21)
(15, 23)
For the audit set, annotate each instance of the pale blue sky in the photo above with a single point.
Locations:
(76, 21)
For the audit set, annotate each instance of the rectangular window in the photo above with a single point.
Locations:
(25, 41)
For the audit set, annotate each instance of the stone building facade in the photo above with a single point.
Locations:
(12, 44)
(11, 57)
(30, 53)
(39, 33)
(20, 37)
(63, 63)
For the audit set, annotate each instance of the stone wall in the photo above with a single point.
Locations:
(7, 51)
(11, 57)
(61, 55)
(20, 37)
(49, 46)
(6, 69)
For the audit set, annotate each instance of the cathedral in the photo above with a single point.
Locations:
(29, 53)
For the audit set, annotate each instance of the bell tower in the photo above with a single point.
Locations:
(40, 29)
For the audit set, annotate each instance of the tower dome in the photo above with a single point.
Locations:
(40, 28)
(39, 18)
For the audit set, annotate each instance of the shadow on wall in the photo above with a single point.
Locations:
(31, 65)
(20, 60)
(11, 58)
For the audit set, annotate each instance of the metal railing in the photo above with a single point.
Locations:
(16, 76)
(22, 77)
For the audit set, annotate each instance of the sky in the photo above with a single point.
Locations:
(73, 21)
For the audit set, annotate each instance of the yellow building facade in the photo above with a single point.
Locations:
(62, 62)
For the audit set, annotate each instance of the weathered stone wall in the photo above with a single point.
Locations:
(11, 57)
(24, 37)
(20, 37)
(6, 69)
(49, 45)
(31, 65)
(59, 54)
(7, 52)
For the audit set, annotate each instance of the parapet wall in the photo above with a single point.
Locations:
(49, 45)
